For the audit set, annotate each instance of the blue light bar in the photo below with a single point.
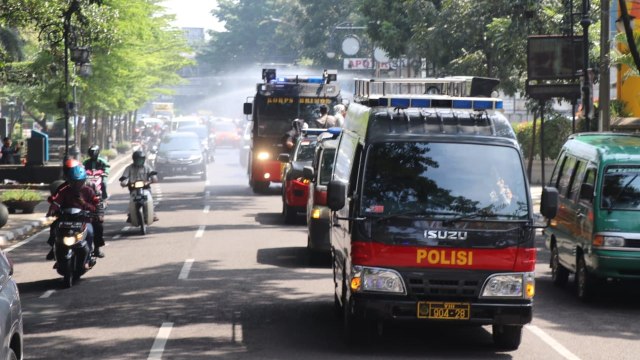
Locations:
(462, 104)
(334, 130)
(315, 80)
(313, 131)
(441, 102)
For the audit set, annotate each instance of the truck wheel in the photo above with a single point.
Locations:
(559, 274)
(289, 213)
(352, 327)
(507, 337)
(260, 187)
(586, 285)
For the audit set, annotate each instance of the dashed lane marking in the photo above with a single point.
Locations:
(184, 273)
(563, 351)
(200, 231)
(206, 209)
(161, 340)
(47, 294)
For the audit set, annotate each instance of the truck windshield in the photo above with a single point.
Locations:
(621, 188)
(437, 179)
(275, 114)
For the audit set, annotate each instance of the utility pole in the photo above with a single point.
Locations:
(605, 68)
(586, 85)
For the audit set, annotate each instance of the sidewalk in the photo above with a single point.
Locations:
(21, 225)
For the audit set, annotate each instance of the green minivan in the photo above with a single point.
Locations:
(596, 230)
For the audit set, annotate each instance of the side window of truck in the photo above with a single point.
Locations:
(344, 158)
(553, 181)
(565, 175)
(576, 180)
(590, 179)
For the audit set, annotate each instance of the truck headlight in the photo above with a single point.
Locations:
(608, 241)
(368, 279)
(263, 155)
(513, 285)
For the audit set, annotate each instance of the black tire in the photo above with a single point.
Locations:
(143, 224)
(260, 187)
(507, 337)
(68, 274)
(289, 213)
(559, 274)
(586, 285)
(353, 328)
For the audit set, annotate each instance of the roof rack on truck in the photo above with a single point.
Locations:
(471, 86)
(459, 105)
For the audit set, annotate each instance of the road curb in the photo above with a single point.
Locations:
(24, 229)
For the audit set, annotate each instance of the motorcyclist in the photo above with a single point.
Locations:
(97, 162)
(66, 169)
(76, 194)
(138, 171)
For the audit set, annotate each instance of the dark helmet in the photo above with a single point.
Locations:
(94, 151)
(138, 157)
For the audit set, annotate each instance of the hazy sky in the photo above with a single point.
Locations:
(193, 13)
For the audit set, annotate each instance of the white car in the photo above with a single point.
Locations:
(10, 312)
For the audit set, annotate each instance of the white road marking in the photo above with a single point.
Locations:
(116, 177)
(25, 241)
(125, 229)
(552, 342)
(207, 193)
(116, 237)
(206, 183)
(161, 340)
(47, 294)
(200, 231)
(206, 209)
(184, 273)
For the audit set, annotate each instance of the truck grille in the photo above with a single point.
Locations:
(444, 287)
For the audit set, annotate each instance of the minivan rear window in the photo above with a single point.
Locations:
(621, 188)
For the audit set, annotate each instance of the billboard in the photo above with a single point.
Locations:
(554, 57)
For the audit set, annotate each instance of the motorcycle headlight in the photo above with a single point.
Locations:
(263, 155)
(69, 240)
(368, 279)
(513, 285)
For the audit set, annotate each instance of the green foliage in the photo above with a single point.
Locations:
(123, 147)
(556, 130)
(21, 195)
(617, 109)
(109, 154)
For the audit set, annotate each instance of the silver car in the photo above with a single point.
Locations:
(10, 312)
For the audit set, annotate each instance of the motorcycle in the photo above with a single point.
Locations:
(71, 249)
(140, 209)
(151, 155)
(96, 178)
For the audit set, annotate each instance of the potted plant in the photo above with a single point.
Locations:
(21, 199)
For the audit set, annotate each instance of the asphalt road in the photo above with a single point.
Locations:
(221, 276)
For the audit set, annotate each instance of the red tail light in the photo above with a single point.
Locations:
(526, 260)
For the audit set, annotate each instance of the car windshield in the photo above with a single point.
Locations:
(306, 150)
(201, 131)
(444, 179)
(173, 143)
(621, 188)
(274, 115)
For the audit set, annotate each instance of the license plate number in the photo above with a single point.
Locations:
(443, 310)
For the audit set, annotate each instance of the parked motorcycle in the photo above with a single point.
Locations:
(140, 208)
(71, 249)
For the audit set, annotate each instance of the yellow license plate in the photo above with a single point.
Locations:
(443, 310)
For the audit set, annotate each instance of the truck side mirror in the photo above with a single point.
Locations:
(308, 173)
(283, 158)
(336, 193)
(549, 202)
(247, 108)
